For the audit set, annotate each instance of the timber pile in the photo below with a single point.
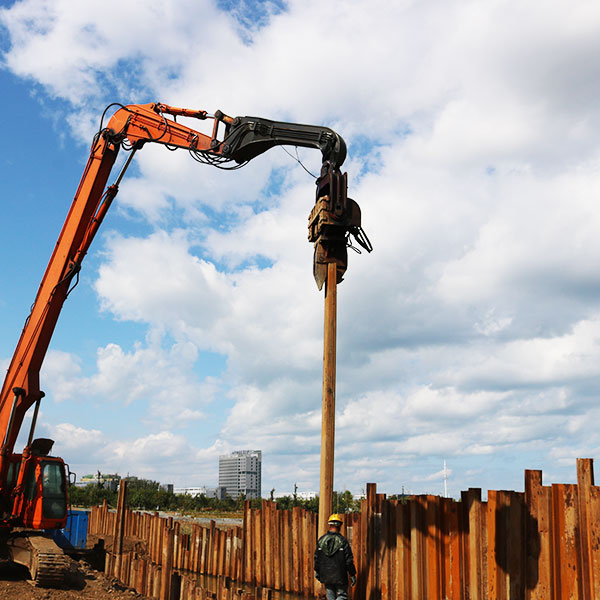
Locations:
(539, 544)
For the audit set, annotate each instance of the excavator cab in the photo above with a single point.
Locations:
(40, 491)
(44, 498)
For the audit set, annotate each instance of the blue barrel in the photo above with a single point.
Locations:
(74, 535)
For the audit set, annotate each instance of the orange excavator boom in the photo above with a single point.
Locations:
(233, 142)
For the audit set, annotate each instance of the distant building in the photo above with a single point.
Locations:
(109, 482)
(218, 492)
(240, 473)
(299, 495)
(167, 487)
(306, 495)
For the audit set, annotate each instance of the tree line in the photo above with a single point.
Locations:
(145, 494)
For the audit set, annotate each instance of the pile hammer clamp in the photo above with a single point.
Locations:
(333, 219)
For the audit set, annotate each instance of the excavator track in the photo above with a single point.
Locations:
(47, 563)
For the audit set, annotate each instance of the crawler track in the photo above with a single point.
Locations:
(46, 562)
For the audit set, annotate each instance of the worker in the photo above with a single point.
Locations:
(334, 561)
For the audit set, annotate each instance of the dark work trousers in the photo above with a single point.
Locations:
(337, 592)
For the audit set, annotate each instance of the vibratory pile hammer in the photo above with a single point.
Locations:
(34, 484)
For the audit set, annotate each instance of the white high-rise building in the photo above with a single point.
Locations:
(240, 472)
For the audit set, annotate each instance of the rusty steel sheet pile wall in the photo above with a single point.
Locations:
(162, 550)
(540, 544)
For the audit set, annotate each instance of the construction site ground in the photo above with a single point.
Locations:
(82, 582)
(85, 579)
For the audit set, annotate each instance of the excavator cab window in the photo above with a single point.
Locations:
(54, 505)
(12, 474)
(30, 482)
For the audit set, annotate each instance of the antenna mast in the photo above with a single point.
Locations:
(445, 480)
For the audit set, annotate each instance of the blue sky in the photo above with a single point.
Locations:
(469, 335)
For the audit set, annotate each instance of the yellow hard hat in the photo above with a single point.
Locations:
(335, 518)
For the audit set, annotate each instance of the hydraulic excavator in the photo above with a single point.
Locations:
(34, 484)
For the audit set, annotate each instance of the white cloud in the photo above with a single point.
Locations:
(550, 361)
(156, 279)
(150, 376)
(70, 48)
(257, 317)
(70, 437)
(159, 446)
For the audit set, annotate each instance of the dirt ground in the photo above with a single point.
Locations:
(82, 582)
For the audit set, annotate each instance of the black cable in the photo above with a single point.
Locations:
(74, 285)
(104, 114)
(127, 145)
(297, 159)
(215, 160)
(151, 139)
(101, 128)
(361, 237)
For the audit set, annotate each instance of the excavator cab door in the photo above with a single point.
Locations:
(13, 472)
(44, 497)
